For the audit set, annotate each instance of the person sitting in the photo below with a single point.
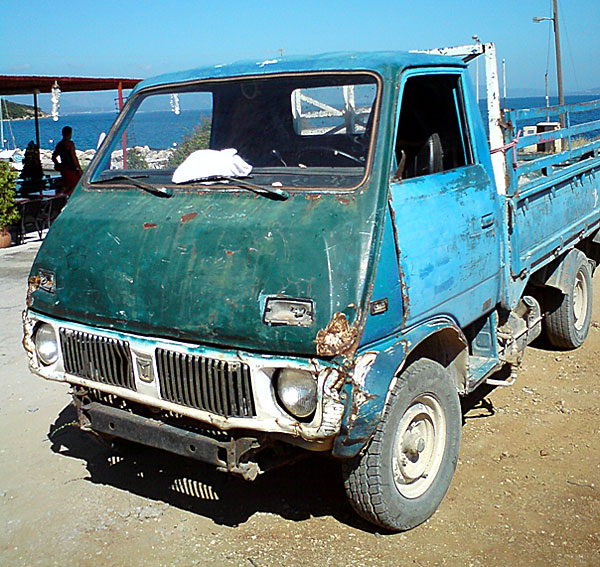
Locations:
(32, 173)
(70, 170)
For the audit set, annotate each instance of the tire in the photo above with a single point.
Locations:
(400, 479)
(568, 324)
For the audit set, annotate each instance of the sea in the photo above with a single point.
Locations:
(88, 127)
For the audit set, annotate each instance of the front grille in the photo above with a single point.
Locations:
(203, 383)
(97, 358)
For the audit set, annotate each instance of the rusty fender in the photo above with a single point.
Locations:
(364, 395)
(372, 373)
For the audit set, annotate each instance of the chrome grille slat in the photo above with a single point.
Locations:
(185, 378)
(205, 383)
(214, 397)
(193, 371)
(232, 397)
(248, 398)
(97, 358)
(221, 387)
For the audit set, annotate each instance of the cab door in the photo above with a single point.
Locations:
(445, 205)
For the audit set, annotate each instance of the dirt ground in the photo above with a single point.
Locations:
(526, 490)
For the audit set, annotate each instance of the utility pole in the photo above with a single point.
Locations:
(559, 76)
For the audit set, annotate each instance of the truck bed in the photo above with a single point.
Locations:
(552, 198)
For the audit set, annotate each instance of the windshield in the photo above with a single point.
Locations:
(301, 131)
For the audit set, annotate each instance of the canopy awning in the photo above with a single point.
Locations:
(32, 84)
(29, 84)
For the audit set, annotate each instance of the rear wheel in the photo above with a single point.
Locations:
(567, 326)
(405, 471)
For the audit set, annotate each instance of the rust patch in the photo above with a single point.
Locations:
(148, 225)
(229, 252)
(312, 197)
(343, 200)
(27, 336)
(403, 288)
(188, 217)
(33, 283)
(337, 338)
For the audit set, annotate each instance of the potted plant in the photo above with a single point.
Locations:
(9, 213)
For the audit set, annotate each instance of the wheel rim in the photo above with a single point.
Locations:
(580, 300)
(419, 446)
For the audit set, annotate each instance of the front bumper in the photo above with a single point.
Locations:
(232, 454)
(175, 377)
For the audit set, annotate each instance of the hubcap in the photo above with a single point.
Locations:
(419, 446)
(580, 303)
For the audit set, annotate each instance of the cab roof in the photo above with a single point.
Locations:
(386, 63)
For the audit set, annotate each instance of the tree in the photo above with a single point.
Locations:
(198, 139)
(9, 213)
(136, 159)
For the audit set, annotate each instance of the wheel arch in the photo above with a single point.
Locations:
(447, 346)
(560, 273)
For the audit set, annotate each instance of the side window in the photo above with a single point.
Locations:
(432, 130)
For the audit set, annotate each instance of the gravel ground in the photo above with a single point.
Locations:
(526, 490)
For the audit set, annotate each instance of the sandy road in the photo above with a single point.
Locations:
(526, 491)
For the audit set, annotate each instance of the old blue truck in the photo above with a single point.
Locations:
(335, 253)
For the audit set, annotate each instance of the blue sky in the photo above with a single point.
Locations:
(145, 38)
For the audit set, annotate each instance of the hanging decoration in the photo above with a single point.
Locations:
(175, 103)
(55, 99)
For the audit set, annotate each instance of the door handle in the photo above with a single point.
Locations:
(487, 220)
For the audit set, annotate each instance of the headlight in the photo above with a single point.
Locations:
(46, 346)
(297, 392)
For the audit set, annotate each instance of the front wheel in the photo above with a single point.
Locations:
(404, 473)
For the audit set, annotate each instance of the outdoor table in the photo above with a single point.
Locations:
(38, 213)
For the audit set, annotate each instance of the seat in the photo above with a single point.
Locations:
(429, 159)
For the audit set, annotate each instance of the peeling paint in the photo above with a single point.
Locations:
(33, 283)
(333, 407)
(267, 62)
(28, 345)
(188, 217)
(360, 396)
(337, 338)
(401, 275)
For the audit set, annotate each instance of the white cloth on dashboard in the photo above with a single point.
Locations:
(204, 164)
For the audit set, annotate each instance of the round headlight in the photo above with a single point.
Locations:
(297, 392)
(46, 346)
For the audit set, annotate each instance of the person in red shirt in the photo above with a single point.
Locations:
(69, 167)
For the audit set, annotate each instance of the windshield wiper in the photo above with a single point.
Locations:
(265, 191)
(133, 179)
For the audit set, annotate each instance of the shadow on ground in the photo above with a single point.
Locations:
(311, 487)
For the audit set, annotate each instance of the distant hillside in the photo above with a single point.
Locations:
(15, 111)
